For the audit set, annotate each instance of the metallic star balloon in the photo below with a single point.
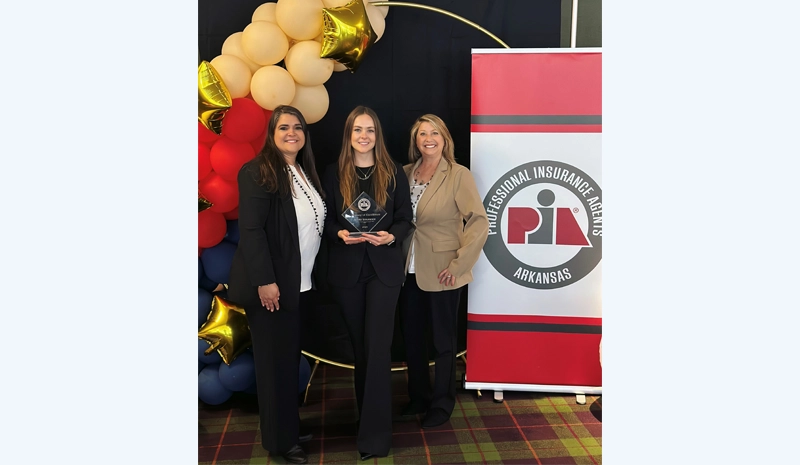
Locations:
(347, 34)
(203, 204)
(214, 100)
(225, 329)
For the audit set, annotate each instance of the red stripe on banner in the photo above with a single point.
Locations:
(537, 84)
(557, 320)
(513, 357)
(536, 128)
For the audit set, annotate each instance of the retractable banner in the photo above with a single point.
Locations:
(534, 308)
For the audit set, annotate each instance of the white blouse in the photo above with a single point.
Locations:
(310, 210)
(416, 193)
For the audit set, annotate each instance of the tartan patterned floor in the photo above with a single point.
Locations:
(527, 428)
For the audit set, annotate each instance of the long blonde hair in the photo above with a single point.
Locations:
(384, 165)
(448, 151)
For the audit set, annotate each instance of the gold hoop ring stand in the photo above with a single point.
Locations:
(461, 354)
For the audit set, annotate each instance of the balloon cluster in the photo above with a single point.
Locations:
(237, 92)
(290, 31)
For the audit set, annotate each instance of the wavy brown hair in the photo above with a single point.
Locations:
(270, 160)
(448, 151)
(384, 165)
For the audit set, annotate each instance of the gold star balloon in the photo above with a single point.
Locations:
(347, 34)
(203, 204)
(213, 100)
(226, 330)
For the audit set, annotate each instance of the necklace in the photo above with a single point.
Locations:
(317, 223)
(364, 175)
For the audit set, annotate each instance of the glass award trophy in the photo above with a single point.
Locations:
(364, 214)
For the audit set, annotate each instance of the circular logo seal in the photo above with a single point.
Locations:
(545, 224)
(364, 204)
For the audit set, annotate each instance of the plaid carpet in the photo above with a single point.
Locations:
(527, 428)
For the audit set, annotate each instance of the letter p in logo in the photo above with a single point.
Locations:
(521, 221)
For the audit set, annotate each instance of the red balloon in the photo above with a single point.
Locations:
(205, 136)
(222, 194)
(259, 141)
(227, 157)
(203, 161)
(232, 215)
(244, 120)
(211, 228)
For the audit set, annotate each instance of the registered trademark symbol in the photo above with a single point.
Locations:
(575, 210)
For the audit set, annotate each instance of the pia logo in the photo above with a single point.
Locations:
(545, 225)
(364, 204)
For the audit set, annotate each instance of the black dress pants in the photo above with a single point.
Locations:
(438, 311)
(368, 309)
(276, 352)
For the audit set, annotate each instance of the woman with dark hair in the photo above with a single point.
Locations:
(366, 270)
(451, 228)
(281, 220)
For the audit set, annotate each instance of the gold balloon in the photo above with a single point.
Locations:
(214, 100)
(203, 204)
(225, 329)
(347, 34)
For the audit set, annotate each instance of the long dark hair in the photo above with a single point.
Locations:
(270, 160)
(384, 166)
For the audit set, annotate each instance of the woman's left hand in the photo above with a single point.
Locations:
(378, 238)
(446, 278)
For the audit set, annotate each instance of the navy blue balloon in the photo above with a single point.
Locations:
(204, 299)
(207, 284)
(217, 261)
(209, 388)
(251, 389)
(199, 269)
(240, 374)
(305, 373)
(232, 233)
(200, 366)
(212, 359)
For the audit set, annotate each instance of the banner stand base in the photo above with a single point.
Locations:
(498, 388)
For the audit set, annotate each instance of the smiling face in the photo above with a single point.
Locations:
(289, 136)
(430, 142)
(363, 137)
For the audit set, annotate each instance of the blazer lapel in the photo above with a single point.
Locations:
(291, 219)
(436, 182)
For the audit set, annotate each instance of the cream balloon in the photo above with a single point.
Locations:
(335, 3)
(265, 12)
(312, 101)
(300, 19)
(264, 42)
(383, 9)
(234, 73)
(233, 46)
(375, 20)
(337, 67)
(272, 86)
(304, 64)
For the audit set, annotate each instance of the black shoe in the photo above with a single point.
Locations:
(413, 409)
(434, 418)
(365, 456)
(295, 455)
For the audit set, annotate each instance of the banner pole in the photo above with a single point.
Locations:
(574, 28)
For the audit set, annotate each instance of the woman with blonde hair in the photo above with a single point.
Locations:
(366, 270)
(451, 228)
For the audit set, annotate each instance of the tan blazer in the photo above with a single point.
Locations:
(441, 239)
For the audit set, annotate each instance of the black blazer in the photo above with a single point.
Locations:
(269, 245)
(344, 264)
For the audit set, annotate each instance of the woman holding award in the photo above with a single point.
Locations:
(369, 215)
(451, 229)
(281, 220)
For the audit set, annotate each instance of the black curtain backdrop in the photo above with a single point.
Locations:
(422, 64)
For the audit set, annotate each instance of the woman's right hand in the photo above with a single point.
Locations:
(345, 236)
(269, 295)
